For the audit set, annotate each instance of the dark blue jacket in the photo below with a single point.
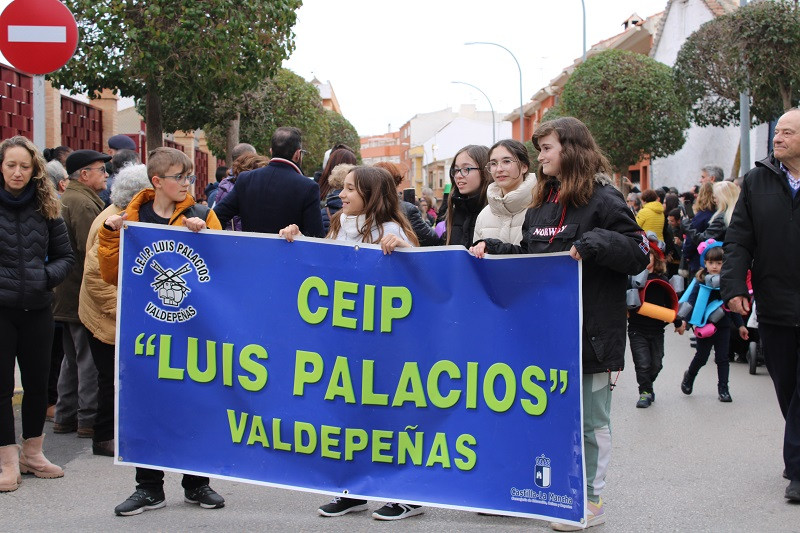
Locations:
(270, 198)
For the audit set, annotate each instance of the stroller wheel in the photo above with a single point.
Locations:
(752, 357)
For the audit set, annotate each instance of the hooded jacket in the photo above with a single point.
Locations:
(612, 246)
(35, 254)
(764, 236)
(502, 219)
(108, 249)
(651, 218)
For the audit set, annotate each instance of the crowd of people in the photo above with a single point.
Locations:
(60, 223)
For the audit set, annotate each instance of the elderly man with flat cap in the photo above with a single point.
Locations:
(77, 383)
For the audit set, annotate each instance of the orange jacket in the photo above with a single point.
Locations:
(108, 251)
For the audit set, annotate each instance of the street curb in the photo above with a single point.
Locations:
(17, 398)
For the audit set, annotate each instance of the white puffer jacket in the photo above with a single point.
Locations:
(503, 217)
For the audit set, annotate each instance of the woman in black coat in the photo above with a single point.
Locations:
(577, 209)
(35, 256)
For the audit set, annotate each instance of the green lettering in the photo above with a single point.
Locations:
(306, 314)
(471, 398)
(355, 440)
(368, 323)
(468, 454)
(303, 376)
(528, 385)
(453, 372)
(237, 428)
(277, 443)
(388, 311)
(378, 446)
(341, 304)
(305, 431)
(341, 384)
(193, 365)
(439, 453)
(406, 448)
(504, 371)
(164, 370)
(368, 395)
(409, 378)
(227, 364)
(328, 441)
(258, 370)
(257, 432)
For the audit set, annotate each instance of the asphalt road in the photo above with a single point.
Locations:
(684, 464)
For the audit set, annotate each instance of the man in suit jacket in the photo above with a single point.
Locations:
(270, 198)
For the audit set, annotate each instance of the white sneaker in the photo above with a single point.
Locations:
(595, 517)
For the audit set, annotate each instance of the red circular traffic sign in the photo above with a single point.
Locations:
(38, 36)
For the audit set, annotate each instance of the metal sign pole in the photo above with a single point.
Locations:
(38, 111)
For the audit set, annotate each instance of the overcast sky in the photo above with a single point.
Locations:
(388, 61)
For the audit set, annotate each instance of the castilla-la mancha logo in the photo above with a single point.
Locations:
(171, 283)
(542, 474)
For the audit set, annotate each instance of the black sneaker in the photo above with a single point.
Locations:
(645, 399)
(140, 501)
(341, 506)
(205, 496)
(724, 394)
(397, 511)
(793, 491)
(687, 384)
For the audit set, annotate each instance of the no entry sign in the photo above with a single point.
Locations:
(38, 36)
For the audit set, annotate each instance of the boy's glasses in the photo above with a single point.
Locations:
(190, 179)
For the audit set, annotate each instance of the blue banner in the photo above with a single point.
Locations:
(425, 376)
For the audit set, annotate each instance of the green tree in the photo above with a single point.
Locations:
(755, 49)
(340, 131)
(630, 104)
(178, 56)
(286, 99)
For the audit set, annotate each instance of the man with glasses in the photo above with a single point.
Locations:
(77, 383)
(272, 197)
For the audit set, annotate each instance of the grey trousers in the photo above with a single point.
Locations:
(77, 383)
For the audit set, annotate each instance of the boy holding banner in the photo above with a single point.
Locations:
(168, 202)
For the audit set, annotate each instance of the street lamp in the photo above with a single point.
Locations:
(487, 99)
(521, 111)
(583, 5)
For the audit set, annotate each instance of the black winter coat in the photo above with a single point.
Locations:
(35, 254)
(465, 211)
(426, 235)
(764, 235)
(612, 246)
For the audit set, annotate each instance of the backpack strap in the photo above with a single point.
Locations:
(197, 210)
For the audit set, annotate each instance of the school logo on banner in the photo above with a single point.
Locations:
(171, 265)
